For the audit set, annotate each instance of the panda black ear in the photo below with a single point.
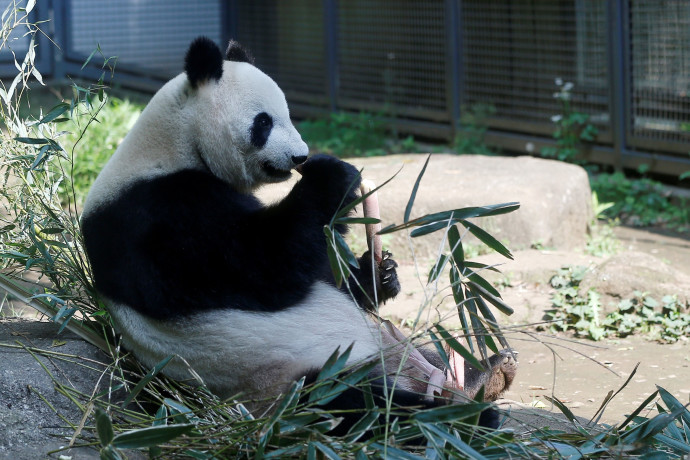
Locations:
(203, 61)
(237, 53)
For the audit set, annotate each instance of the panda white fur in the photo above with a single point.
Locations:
(193, 265)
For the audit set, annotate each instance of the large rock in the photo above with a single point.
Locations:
(30, 428)
(555, 197)
(622, 274)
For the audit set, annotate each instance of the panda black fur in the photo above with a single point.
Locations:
(193, 265)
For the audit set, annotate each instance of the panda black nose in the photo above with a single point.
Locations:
(298, 160)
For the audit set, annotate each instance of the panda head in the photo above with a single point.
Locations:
(239, 117)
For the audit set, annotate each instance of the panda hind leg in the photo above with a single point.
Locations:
(496, 378)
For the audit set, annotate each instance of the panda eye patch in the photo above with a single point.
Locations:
(261, 129)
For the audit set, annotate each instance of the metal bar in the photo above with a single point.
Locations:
(619, 74)
(658, 162)
(453, 68)
(330, 12)
(228, 17)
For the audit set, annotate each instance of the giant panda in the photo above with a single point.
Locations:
(192, 264)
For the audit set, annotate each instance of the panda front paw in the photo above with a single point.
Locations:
(390, 285)
(337, 180)
(379, 285)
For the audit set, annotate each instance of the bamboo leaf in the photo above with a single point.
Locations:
(144, 381)
(562, 407)
(477, 279)
(438, 267)
(357, 220)
(455, 243)
(413, 195)
(487, 239)
(673, 404)
(54, 113)
(495, 301)
(151, 436)
(104, 427)
(455, 345)
(344, 250)
(454, 216)
(449, 413)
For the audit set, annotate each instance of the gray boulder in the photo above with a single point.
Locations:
(555, 197)
(622, 274)
(30, 427)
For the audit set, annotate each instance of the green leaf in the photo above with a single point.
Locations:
(327, 451)
(439, 348)
(475, 278)
(562, 407)
(449, 413)
(357, 220)
(455, 243)
(413, 195)
(336, 267)
(426, 229)
(32, 140)
(54, 113)
(487, 239)
(344, 250)
(462, 447)
(181, 413)
(347, 381)
(161, 417)
(88, 59)
(147, 378)
(362, 426)
(673, 404)
(450, 217)
(346, 209)
(455, 345)
(459, 297)
(481, 266)
(104, 427)
(151, 436)
(495, 301)
(490, 319)
(438, 267)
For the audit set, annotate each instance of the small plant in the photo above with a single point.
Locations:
(573, 130)
(601, 241)
(472, 129)
(641, 202)
(666, 322)
(345, 134)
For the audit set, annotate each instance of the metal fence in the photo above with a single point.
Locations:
(421, 63)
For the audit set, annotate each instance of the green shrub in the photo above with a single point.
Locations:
(641, 202)
(91, 148)
(472, 130)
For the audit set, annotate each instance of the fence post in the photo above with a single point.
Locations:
(228, 20)
(330, 18)
(619, 76)
(454, 60)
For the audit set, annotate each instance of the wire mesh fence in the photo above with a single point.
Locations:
(423, 64)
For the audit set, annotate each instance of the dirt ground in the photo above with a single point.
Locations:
(578, 372)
